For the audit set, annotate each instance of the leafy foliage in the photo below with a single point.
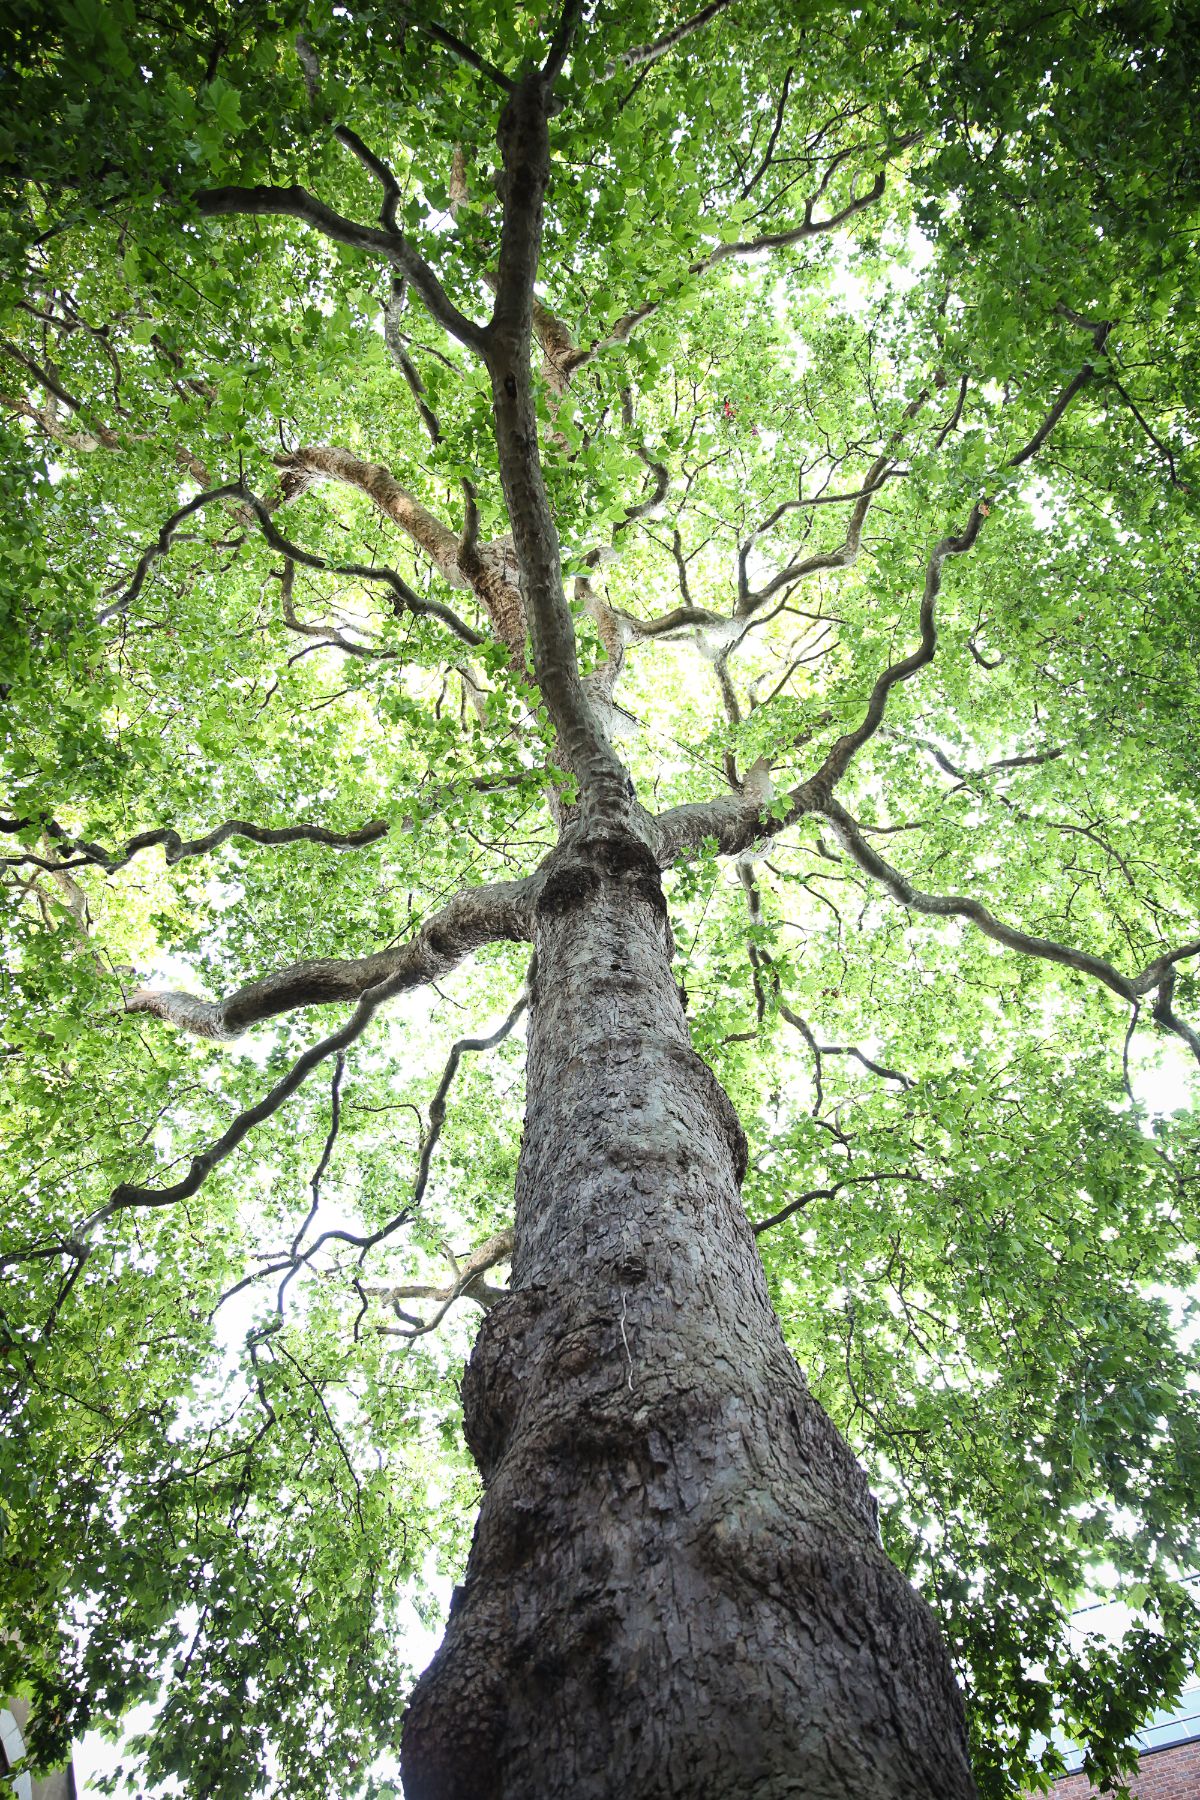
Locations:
(787, 265)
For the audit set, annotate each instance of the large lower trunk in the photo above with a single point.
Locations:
(676, 1586)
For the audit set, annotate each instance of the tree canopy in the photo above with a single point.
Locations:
(867, 373)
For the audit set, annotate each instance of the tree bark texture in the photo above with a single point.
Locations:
(676, 1586)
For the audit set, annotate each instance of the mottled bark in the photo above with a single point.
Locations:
(525, 153)
(676, 1585)
(490, 573)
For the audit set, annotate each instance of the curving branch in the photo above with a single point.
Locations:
(881, 471)
(437, 1106)
(809, 227)
(650, 53)
(838, 760)
(880, 1069)
(1157, 977)
(498, 913)
(737, 821)
(489, 571)
(1060, 406)
(227, 491)
(384, 242)
(829, 1193)
(327, 636)
(78, 853)
(752, 181)
(127, 1194)
(290, 1262)
(470, 920)
(405, 597)
(1165, 1015)
(467, 1284)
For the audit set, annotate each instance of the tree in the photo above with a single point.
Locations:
(678, 532)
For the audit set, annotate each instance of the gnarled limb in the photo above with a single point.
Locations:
(382, 242)
(78, 853)
(1157, 977)
(732, 821)
(475, 916)
(328, 462)
(489, 570)
(467, 1284)
(405, 598)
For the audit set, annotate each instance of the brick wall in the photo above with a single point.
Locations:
(1170, 1774)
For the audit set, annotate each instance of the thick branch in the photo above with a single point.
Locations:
(525, 152)
(732, 822)
(389, 245)
(476, 916)
(320, 462)
(489, 571)
(127, 1195)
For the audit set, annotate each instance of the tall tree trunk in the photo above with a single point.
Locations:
(676, 1585)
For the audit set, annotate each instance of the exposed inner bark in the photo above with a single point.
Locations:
(676, 1585)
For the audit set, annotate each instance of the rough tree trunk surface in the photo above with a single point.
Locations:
(676, 1586)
